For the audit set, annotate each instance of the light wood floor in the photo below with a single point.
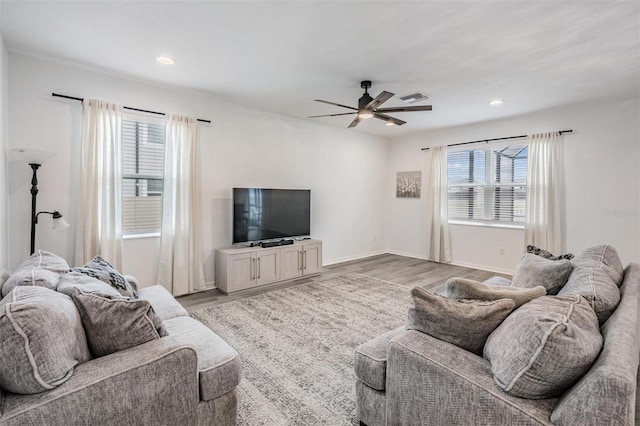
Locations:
(407, 271)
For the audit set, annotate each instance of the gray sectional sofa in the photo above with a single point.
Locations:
(406, 377)
(186, 378)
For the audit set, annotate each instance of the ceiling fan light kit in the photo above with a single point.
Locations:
(370, 107)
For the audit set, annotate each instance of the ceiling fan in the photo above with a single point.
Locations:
(369, 107)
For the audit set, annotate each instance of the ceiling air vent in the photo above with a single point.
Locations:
(416, 97)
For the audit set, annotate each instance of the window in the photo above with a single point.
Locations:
(488, 185)
(142, 174)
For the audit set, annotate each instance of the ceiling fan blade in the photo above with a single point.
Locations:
(406, 109)
(333, 103)
(355, 121)
(331, 115)
(379, 100)
(388, 118)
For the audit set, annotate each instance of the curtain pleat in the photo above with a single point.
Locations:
(99, 223)
(180, 268)
(438, 216)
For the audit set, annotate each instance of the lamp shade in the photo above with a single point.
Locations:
(58, 221)
(33, 156)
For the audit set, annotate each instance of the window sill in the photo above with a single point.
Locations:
(136, 236)
(486, 224)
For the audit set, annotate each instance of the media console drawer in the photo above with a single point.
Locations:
(246, 267)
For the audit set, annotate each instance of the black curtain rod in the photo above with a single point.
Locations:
(496, 139)
(57, 95)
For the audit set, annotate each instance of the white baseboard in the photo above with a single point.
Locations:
(355, 257)
(407, 254)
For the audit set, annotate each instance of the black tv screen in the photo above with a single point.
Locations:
(264, 214)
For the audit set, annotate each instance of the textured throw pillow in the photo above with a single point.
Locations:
(533, 271)
(597, 287)
(603, 257)
(462, 288)
(101, 269)
(464, 323)
(113, 324)
(547, 255)
(544, 347)
(73, 280)
(42, 340)
(41, 269)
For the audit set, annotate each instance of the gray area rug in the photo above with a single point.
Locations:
(297, 346)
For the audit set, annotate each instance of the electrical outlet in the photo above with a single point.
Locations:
(501, 251)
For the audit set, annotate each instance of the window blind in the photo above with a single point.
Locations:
(488, 185)
(142, 172)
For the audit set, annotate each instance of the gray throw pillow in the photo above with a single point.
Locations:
(41, 269)
(603, 257)
(544, 347)
(73, 280)
(462, 288)
(597, 287)
(42, 340)
(464, 323)
(533, 271)
(101, 269)
(116, 323)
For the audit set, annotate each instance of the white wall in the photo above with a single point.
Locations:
(4, 199)
(602, 183)
(243, 147)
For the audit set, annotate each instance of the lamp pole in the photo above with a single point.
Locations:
(34, 193)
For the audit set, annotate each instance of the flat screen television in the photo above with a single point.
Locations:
(265, 214)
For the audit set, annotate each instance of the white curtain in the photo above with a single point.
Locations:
(180, 266)
(438, 215)
(543, 221)
(99, 223)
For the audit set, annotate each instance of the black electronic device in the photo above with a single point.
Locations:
(267, 214)
(266, 244)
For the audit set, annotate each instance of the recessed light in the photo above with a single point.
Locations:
(496, 102)
(165, 60)
(390, 123)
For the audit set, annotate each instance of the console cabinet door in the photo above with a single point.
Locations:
(267, 266)
(312, 258)
(241, 271)
(290, 262)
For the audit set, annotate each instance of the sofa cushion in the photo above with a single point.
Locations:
(41, 269)
(597, 287)
(218, 362)
(42, 340)
(547, 255)
(603, 257)
(114, 323)
(544, 347)
(465, 323)
(371, 359)
(462, 288)
(104, 271)
(501, 281)
(163, 303)
(533, 271)
(73, 280)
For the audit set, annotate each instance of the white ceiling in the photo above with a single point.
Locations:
(279, 56)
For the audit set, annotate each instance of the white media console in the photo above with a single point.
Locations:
(246, 267)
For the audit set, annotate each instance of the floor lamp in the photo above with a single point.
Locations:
(35, 159)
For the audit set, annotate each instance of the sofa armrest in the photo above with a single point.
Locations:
(153, 383)
(430, 381)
